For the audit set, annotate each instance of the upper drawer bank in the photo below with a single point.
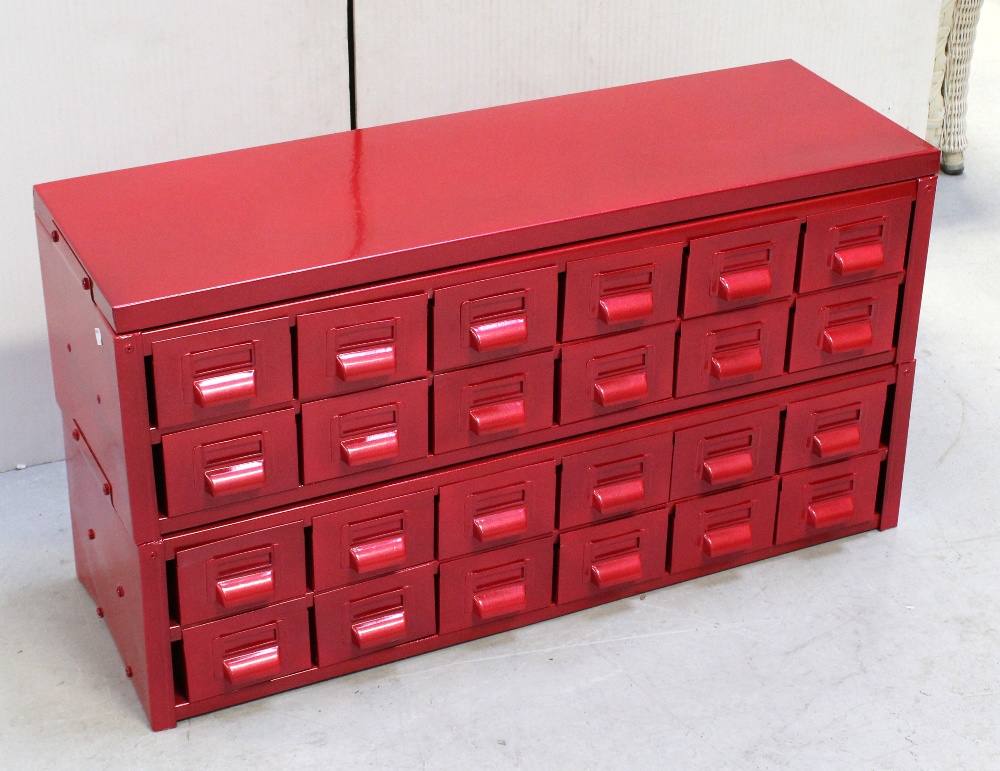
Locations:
(406, 376)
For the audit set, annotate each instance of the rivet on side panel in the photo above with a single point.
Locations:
(76, 434)
(100, 612)
(55, 235)
(128, 671)
(86, 283)
(91, 534)
(121, 591)
(69, 347)
(98, 398)
(106, 488)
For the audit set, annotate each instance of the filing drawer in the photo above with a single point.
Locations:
(495, 318)
(237, 574)
(619, 292)
(612, 556)
(743, 267)
(367, 617)
(494, 401)
(362, 431)
(728, 452)
(251, 648)
(731, 348)
(228, 462)
(615, 480)
(496, 509)
(844, 323)
(832, 427)
(495, 585)
(717, 528)
(371, 540)
(827, 498)
(856, 244)
(362, 346)
(211, 375)
(616, 372)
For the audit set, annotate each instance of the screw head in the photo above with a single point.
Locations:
(106, 488)
(76, 434)
(121, 591)
(128, 671)
(100, 612)
(91, 534)
(129, 347)
(55, 235)
(86, 283)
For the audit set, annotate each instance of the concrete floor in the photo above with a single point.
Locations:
(879, 651)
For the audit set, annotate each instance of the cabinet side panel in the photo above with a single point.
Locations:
(899, 428)
(916, 265)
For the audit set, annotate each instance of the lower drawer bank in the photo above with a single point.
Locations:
(300, 594)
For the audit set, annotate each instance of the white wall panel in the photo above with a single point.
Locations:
(93, 85)
(427, 57)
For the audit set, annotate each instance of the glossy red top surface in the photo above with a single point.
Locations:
(202, 236)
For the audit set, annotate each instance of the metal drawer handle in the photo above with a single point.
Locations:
(500, 600)
(742, 361)
(727, 540)
(836, 441)
(617, 309)
(247, 668)
(728, 468)
(618, 495)
(857, 259)
(621, 388)
(501, 333)
(832, 511)
(848, 337)
(253, 587)
(383, 630)
(744, 284)
(376, 555)
(366, 363)
(221, 389)
(500, 524)
(622, 569)
(493, 418)
(370, 449)
(237, 478)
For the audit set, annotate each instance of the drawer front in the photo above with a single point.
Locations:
(363, 346)
(373, 615)
(619, 292)
(612, 556)
(611, 481)
(732, 348)
(729, 452)
(232, 653)
(368, 541)
(715, 529)
(843, 324)
(744, 267)
(495, 318)
(359, 432)
(496, 509)
(857, 244)
(618, 372)
(238, 574)
(229, 462)
(828, 498)
(496, 585)
(833, 427)
(495, 401)
(214, 374)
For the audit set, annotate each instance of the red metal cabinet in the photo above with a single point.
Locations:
(379, 392)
